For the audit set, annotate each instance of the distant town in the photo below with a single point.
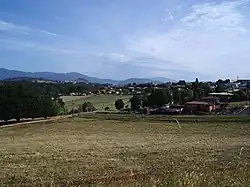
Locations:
(223, 97)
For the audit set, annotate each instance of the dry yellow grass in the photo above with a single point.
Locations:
(83, 152)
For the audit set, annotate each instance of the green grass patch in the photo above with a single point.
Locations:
(238, 104)
(99, 101)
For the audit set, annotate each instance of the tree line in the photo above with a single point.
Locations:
(27, 100)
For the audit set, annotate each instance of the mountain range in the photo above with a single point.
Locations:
(74, 76)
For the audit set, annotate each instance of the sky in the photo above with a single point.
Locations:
(177, 39)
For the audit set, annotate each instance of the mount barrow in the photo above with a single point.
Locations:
(74, 76)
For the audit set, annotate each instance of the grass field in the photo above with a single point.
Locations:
(238, 104)
(99, 152)
(99, 101)
(69, 98)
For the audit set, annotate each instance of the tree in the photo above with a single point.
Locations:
(27, 100)
(135, 102)
(206, 88)
(181, 82)
(227, 81)
(196, 80)
(61, 103)
(48, 108)
(176, 95)
(119, 104)
(159, 97)
(87, 106)
(241, 95)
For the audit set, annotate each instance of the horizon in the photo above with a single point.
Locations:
(152, 78)
(175, 39)
(86, 74)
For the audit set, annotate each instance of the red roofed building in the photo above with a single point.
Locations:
(199, 106)
(211, 99)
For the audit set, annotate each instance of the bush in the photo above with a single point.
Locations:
(119, 104)
(74, 111)
(107, 108)
(88, 107)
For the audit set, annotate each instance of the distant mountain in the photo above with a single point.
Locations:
(73, 76)
(162, 79)
(10, 74)
(139, 81)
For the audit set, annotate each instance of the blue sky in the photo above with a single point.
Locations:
(178, 39)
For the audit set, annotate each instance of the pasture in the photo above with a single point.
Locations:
(239, 104)
(69, 98)
(99, 101)
(112, 152)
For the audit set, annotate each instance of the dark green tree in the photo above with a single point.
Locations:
(135, 102)
(159, 97)
(88, 107)
(119, 104)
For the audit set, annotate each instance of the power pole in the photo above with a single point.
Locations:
(141, 108)
(73, 110)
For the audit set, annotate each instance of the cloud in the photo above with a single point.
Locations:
(47, 32)
(169, 17)
(20, 44)
(213, 38)
(213, 15)
(208, 40)
(11, 28)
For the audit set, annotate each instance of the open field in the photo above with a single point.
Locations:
(238, 104)
(190, 119)
(99, 101)
(73, 98)
(99, 152)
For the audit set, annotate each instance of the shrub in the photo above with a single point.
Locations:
(74, 111)
(88, 107)
(119, 104)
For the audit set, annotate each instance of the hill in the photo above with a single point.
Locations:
(73, 76)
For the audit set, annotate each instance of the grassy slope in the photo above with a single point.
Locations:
(85, 152)
(99, 101)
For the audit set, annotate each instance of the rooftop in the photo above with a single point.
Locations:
(199, 103)
(210, 97)
(222, 94)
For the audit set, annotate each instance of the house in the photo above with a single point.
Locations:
(224, 96)
(211, 99)
(199, 106)
(167, 110)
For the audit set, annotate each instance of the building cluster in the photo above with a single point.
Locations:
(214, 102)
